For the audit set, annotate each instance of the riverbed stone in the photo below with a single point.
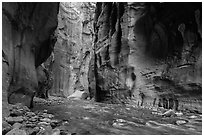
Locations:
(30, 114)
(56, 131)
(46, 120)
(16, 112)
(6, 127)
(17, 125)
(180, 122)
(16, 131)
(12, 120)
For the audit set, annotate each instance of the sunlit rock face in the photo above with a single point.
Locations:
(162, 45)
(28, 40)
(73, 48)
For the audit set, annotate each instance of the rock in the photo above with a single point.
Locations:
(178, 114)
(180, 122)
(26, 109)
(193, 116)
(78, 95)
(118, 125)
(169, 113)
(30, 125)
(45, 115)
(47, 120)
(56, 131)
(30, 114)
(17, 125)
(34, 131)
(45, 111)
(16, 112)
(54, 123)
(153, 124)
(16, 131)
(33, 119)
(45, 130)
(12, 120)
(17, 106)
(6, 127)
(79, 49)
(65, 122)
(63, 132)
(43, 124)
(42, 25)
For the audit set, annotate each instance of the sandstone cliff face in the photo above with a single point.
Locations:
(73, 48)
(114, 78)
(28, 40)
(157, 42)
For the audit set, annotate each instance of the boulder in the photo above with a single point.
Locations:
(12, 120)
(6, 127)
(17, 125)
(16, 131)
(79, 95)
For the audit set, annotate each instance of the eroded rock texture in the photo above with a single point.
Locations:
(114, 78)
(28, 40)
(149, 50)
(73, 48)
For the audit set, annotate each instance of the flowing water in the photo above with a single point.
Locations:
(89, 117)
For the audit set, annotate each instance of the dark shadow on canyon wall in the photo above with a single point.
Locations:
(112, 52)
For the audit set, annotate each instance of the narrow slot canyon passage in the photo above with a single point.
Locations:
(102, 68)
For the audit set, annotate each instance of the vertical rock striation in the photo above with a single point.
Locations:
(28, 40)
(73, 48)
(151, 51)
(114, 78)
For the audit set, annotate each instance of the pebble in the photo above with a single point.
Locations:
(169, 113)
(56, 131)
(16, 113)
(178, 114)
(30, 125)
(45, 130)
(32, 119)
(34, 131)
(25, 108)
(30, 114)
(118, 125)
(86, 118)
(55, 121)
(45, 115)
(43, 124)
(46, 120)
(180, 122)
(16, 131)
(193, 116)
(17, 125)
(45, 111)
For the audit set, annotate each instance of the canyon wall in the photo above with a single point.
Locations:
(73, 48)
(28, 40)
(148, 51)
